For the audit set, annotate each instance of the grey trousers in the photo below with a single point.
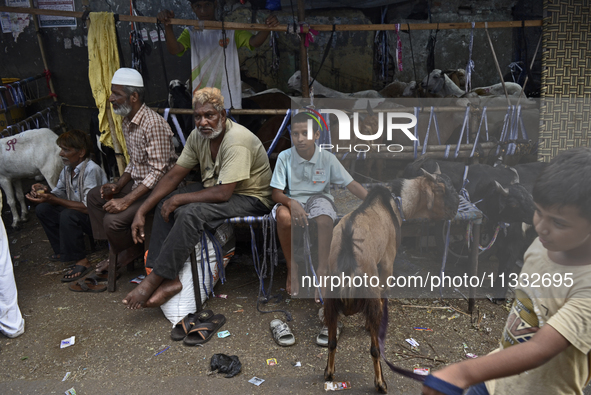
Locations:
(171, 242)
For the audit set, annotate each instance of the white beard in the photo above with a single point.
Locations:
(123, 110)
(216, 131)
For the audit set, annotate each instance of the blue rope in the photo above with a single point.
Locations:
(478, 133)
(448, 222)
(464, 127)
(415, 143)
(308, 254)
(470, 65)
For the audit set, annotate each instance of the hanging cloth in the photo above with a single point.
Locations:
(103, 61)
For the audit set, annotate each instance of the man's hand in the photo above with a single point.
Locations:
(298, 214)
(115, 206)
(137, 228)
(165, 17)
(272, 21)
(38, 189)
(108, 190)
(169, 206)
(37, 197)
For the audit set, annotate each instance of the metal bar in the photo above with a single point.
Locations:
(27, 103)
(215, 25)
(188, 111)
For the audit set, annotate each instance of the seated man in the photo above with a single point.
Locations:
(301, 188)
(235, 177)
(151, 154)
(62, 212)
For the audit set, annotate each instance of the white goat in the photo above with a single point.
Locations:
(439, 83)
(26, 155)
(295, 82)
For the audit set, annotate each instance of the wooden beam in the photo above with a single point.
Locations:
(215, 25)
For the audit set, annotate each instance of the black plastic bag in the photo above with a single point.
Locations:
(226, 364)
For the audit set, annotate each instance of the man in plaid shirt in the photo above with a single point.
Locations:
(151, 154)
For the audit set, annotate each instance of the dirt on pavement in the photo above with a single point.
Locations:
(115, 349)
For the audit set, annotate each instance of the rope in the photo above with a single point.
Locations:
(159, 29)
(226, 64)
(308, 254)
(470, 65)
(398, 48)
(269, 247)
(464, 127)
(444, 261)
(326, 50)
(382, 340)
(482, 119)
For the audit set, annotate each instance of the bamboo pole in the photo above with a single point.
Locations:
(243, 111)
(492, 48)
(116, 146)
(304, 67)
(215, 25)
(44, 58)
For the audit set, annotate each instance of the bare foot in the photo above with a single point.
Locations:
(164, 292)
(137, 298)
(102, 266)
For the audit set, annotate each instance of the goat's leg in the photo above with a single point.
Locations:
(6, 185)
(379, 381)
(20, 196)
(331, 321)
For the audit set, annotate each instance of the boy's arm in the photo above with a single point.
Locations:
(357, 189)
(298, 214)
(543, 346)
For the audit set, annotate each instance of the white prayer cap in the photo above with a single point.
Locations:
(128, 77)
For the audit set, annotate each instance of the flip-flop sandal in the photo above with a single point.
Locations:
(87, 285)
(181, 329)
(322, 338)
(202, 332)
(83, 270)
(281, 333)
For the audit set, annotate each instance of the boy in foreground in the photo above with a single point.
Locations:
(301, 188)
(546, 341)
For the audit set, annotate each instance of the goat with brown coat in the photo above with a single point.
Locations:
(365, 243)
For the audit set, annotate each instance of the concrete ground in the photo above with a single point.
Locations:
(115, 350)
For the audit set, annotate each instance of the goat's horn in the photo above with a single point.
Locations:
(429, 175)
(437, 170)
(501, 189)
(516, 179)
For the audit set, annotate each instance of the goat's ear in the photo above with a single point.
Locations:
(429, 175)
(503, 191)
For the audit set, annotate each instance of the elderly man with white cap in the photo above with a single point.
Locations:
(151, 154)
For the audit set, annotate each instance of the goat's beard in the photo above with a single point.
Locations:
(216, 131)
(122, 109)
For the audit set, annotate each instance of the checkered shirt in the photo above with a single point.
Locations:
(149, 143)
